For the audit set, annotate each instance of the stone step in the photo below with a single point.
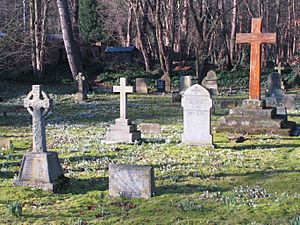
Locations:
(254, 130)
(120, 136)
(259, 113)
(252, 122)
(123, 128)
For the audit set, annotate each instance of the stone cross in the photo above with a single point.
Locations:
(80, 78)
(279, 68)
(38, 105)
(255, 38)
(123, 89)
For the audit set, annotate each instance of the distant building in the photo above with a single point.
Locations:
(123, 54)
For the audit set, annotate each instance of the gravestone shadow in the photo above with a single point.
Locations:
(186, 189)
(83, 186)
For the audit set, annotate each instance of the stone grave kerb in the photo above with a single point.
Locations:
(124, 90)
(38, 105)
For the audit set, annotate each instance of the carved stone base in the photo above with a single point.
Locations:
(122, 131)
(255, 121)
(41, 170)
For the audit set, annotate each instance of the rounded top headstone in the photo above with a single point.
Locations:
(197, 89)
(211, 75)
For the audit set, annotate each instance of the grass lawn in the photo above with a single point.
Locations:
(254, 182)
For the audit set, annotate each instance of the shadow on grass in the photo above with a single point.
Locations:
(257, 174)
(82, 186)
(6, 175)
(258, 146)
(186, 189)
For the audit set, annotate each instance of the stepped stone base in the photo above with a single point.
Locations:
(41, 170)
(122, 131)
(255, 120)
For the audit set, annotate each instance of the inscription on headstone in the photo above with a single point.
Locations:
(197, 106)
(131, 181)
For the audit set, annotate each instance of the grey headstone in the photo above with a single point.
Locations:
(39, 168)
(185, 82)
(150, 128)
(210, 83)
(141, 86)
(5, 144)
(131, 181)
(197, 104)
(274, 82)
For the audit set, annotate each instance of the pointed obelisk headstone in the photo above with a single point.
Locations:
(80, 95)
(123, 130)
(197, 104)
(39, 168)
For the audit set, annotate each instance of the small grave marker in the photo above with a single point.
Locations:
(160, 86)
(150, 128)
(131, 181)
(6, 145)
(141, 86)
(80, 95)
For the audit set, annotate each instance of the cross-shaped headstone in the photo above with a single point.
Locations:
(38, 105)
(80, 78)
(255, 38)
(123, 89)
(279, 68)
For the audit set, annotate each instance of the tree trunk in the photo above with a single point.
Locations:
(129, 25)
(70, 44)
(32, 38)
(233, 29)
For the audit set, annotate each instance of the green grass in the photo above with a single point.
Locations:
(255, 182)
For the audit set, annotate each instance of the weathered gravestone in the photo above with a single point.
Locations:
(6, 145)
(39, 168)
(274, 82)
(131, 181)
(210, 82)
(80, 95)
(197, 104)
(160, 86)
(185, 83)
(141, 86)
(280, 68)
(150, 128)
(289, 102)
(253, 117)
(123, 130)
(167, 80)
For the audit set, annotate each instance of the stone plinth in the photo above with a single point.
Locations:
(131, 181)
(40, 170)
(242, 120)
(123, 131)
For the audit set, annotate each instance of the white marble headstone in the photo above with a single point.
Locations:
(197, 105)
